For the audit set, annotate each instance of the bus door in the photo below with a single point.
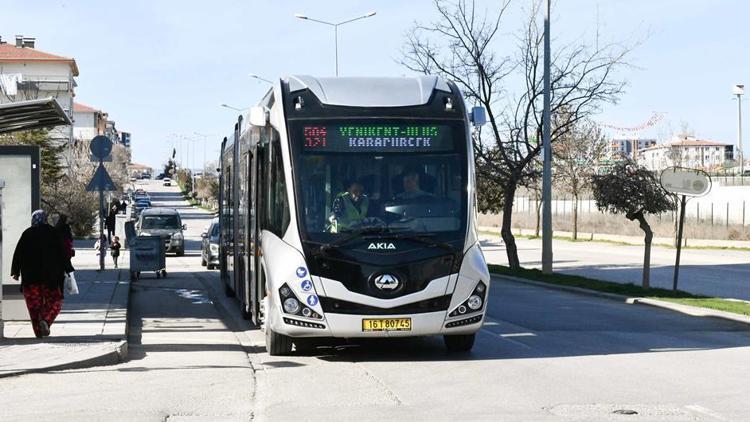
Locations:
(251, 292)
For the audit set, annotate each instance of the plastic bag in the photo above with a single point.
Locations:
(71, 287)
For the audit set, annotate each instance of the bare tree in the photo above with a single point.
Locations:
(461, 46)
(576, 157)
(633, 191)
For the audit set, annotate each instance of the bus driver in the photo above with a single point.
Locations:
(349, 208)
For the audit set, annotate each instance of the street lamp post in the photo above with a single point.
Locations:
(335, 30)
(205, 138)
(254, 76)
(547, 169)
(739, 90)
(232, 108)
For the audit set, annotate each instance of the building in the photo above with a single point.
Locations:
(28, 74)
(629, 147)
(689, 152)
(88, 122)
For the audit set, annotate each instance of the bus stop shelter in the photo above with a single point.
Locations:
(24, 115)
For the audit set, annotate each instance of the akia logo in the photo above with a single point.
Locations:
(381, 246)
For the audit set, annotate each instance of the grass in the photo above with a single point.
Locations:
(582, 239)
(186, 196)
(630, 290)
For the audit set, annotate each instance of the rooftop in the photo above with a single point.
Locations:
(83, 108)
(9, 53)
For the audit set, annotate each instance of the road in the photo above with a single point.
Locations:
(723, 273)
(541, 355)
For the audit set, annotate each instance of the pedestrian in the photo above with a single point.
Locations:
(110, 222)
(115, 247)
(42, 285)
(101, 246)
(66, 234)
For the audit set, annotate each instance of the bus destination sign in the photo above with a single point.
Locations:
(377, 138)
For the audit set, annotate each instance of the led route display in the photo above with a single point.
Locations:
(377, 138)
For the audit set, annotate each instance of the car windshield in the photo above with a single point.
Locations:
(215, 232)
(160, 222)
(405, 178)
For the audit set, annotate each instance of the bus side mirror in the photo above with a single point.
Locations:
(478, 116)
(258, 116)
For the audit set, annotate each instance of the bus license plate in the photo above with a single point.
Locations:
(390, 324)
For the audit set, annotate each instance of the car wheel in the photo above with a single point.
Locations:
(277, 344)
(181, 252)
(459, 342)
(204, 263)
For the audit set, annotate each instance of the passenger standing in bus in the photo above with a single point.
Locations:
(349, 208)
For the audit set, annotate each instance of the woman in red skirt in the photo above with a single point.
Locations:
(41, 262)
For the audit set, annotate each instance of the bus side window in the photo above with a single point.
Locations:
(277, 204)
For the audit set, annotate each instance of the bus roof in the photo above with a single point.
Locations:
(370, 91)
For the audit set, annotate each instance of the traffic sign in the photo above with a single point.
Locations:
(101, 181)
(688, 182)
(100, 147)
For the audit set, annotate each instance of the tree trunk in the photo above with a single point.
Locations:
(575, 216)
(510, 241)
(647, 249)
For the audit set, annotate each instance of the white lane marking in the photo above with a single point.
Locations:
(518, 335)
(704, 411)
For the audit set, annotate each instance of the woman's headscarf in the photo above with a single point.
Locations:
(38, 218)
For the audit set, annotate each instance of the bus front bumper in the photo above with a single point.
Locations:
(352, 326)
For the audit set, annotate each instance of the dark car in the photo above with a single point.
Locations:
(210, 246)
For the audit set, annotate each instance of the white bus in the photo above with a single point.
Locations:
(348, 210)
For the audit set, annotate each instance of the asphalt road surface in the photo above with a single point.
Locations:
(722, 273)
(541, 355)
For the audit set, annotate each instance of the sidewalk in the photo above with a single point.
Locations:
(91, 330)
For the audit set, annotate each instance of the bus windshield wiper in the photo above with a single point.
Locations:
(425, 238)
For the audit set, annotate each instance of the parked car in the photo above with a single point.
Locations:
(140, 205)
(164, 222)
(210, 245)
(167, 181)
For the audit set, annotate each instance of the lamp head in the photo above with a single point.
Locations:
(738, 89)
(300, 16)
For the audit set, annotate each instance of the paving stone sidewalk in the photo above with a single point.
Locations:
(91, 330)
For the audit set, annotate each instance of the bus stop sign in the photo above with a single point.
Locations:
(682, 181)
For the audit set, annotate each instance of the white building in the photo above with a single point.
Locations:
(88, 122)
(27, 74)
(689, 152)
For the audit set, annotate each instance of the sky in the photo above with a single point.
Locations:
(162, 68)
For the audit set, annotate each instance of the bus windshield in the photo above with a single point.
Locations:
(391, 177)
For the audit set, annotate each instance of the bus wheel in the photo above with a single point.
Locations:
(277, 344)
(459, 342)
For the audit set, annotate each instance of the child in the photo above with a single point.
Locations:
(115, 249)
(101, 246)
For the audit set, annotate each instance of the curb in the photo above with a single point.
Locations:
(116, 354)
(676, 307)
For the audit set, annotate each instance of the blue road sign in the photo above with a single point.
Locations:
(101, 181)
(100, 147)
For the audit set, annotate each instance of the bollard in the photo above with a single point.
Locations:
(2, 327)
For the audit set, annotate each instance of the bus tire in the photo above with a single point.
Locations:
(277, 344)
(459, 342)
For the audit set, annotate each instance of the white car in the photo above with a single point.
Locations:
(167, 181)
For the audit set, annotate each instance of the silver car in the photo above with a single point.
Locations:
(210, 245)
(164, 222)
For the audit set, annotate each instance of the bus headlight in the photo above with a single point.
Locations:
(291, 306)
(474, 302)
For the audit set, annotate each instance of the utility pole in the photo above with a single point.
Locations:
(739, 90)
(546, 141)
